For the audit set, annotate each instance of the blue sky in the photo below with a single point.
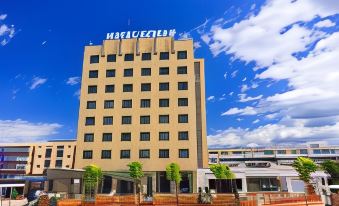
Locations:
(272, 75)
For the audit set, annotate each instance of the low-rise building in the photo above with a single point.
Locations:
(26, 163)
(281, 155)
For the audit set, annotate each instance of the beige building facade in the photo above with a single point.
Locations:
(143, 100)
(26, 163)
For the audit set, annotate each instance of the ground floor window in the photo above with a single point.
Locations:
(163, 185)
(262, 184)
(224, 186)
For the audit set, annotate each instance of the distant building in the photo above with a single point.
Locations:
(281, 155)
(26, 163)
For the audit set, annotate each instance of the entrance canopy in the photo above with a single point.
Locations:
(119, 175)
(11, 185)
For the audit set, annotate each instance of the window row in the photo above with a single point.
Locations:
(144, 103)
(144, 87)
(145, 119)
(143, 136)
(144, 57)
(144, 72)
(143, 153)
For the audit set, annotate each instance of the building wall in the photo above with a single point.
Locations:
(154, 163)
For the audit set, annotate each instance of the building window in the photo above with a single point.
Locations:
(109, 88)
(182, 85)
(108, 120)
(129, 57)
(127, 103)
(163, 102)
(128, 72)
(164, 55)
(146, 56)
(145, 136)
(58, 163)
(163, 136)
(93, 74)
(126, 136)
(183, 153)
(182, 55)
(110, 73)
(68, 156)
(163, 153)
(164, 86)
(92, 89)
(107, 137)
(281, 152)
(91, 104)
(87, 154)
(94, 59)
(145, 103)
(47, 163)
(90, 121)
(127, 88)
(303, 151)
(182, 102)
(146, 72)
(126, 120)
(108, 104)
(163, 119)
(39, 156)
(125, 154)
(60, 153)
(48, 153)
(183, 135)
(105, 154)
(268, 152)
(145, 87)
(183, 118)
(145, 119)
(163, 71)
(111, 58)
(144, 153)
(293, 151)
(182, 70)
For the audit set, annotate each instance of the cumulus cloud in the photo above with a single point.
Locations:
(24, 131)
(236, 111)
(73, 81)
(325, 23)
(289, 45)
(6, 32)
(211, 98)
(36, 82)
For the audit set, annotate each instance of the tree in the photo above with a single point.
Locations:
(135, 171)
(173, 174)
(332, 168)
(92, 176)
(222, 171)
(14, 194)
(305, 166)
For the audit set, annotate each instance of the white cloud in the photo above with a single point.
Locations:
(273, 134)
(244, 98)
(231, 93)
(255, 121)
(234, 73)
(6, 32)
(196, 45)
(73, 81)
(244, 79)
(77, 93)
(244, 88)
(211, 98)
(24, 131)
(44, 42)
(225, 75)
(236, 111)
(325, 23)
(3, 16)
(303, 55)
(36, 82)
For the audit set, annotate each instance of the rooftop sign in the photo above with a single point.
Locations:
(141, 34)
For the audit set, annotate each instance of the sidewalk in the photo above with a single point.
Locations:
(14, 202)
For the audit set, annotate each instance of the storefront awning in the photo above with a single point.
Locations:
(11, 185)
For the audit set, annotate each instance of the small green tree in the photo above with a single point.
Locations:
(92, 176)
(135, 171)
(14, 194)
(222, 171)
(173, 174)
(332, 168)
(305, 166)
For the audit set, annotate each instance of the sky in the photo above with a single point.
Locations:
(272, 75)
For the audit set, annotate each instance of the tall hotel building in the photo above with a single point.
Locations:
(143, 99)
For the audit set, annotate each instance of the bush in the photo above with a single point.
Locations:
(14, 194)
